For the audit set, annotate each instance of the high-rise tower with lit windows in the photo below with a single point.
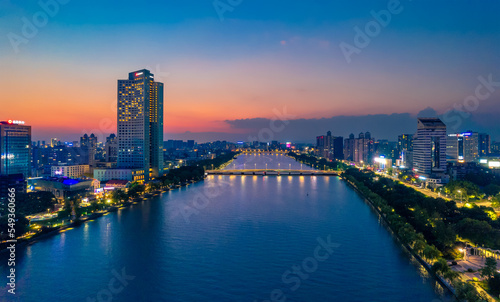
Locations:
(429, 148)
(140, 123)
(15, 148)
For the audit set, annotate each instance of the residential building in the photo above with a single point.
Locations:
(359, 149)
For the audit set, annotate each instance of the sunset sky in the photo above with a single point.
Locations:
(225, 78)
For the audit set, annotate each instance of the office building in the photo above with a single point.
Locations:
(429, 149)
(463, 147)
(15, 148)
(140, 124)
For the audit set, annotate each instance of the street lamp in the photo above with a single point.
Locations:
(290, 167)
(266, 167)
(459, 191)
(464, 250)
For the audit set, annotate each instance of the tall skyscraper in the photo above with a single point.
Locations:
(429, 148)
(15, 148)
(140, 123)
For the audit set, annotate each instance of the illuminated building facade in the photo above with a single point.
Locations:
(429, 148)
(140, 124)
(136, 175)
(463, 147)
(15, 148)
(405, 151)
(71, 171)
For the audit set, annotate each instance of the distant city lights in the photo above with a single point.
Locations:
(494, 164)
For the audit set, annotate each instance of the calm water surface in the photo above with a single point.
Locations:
(229, 238)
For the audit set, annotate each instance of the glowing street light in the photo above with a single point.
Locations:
(459, 191)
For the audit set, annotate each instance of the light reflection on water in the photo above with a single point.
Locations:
(235, 248)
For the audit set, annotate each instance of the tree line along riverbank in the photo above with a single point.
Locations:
(430, 227)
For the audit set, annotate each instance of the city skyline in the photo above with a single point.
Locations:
(227, 78)
(234, 150)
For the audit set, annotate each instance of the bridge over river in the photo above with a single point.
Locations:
(265, 172)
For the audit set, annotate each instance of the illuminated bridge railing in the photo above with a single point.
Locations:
(272, 172)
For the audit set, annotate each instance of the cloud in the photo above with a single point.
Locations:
(381, 126)
(427, 112)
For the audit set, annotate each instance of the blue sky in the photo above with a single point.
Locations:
(264, 55)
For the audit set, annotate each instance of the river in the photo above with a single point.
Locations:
(228, 238)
